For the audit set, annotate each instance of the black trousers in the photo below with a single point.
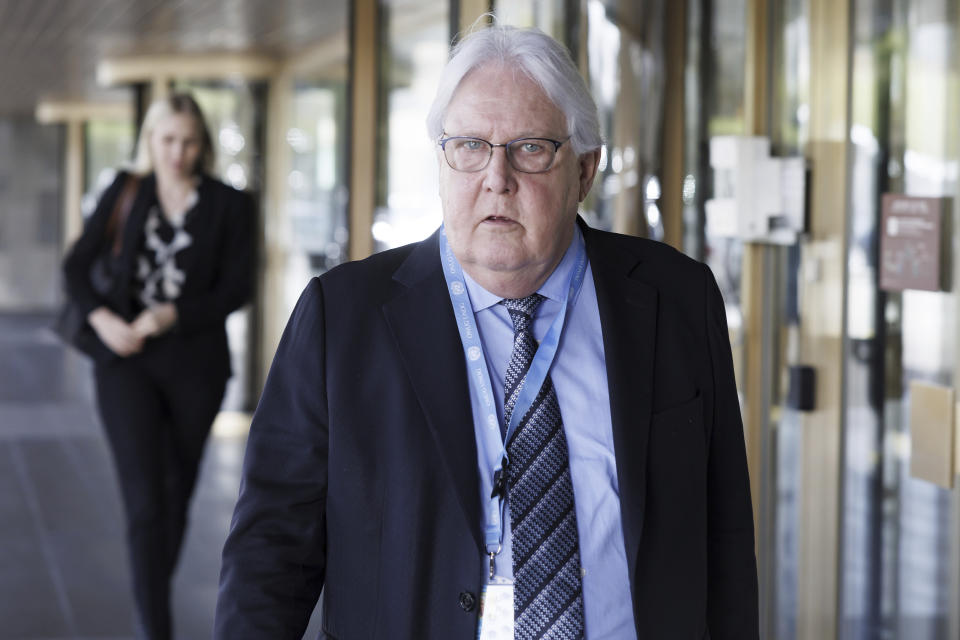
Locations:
(157, 408)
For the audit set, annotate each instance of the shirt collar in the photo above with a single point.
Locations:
(554, 287)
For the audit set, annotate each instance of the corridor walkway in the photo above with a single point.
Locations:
(63, 566)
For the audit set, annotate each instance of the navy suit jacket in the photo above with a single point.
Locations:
(360, 477)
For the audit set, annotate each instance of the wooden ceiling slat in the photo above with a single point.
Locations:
(117, 20)
(49, 49)
(39, 17)
(39, 22)
(71, 15)
(97, 16)
(15, 26)
(6, 8)
(144, 21)
(17, 14)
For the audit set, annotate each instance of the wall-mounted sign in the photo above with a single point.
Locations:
(932, 433)
(756, 197)
(911, 243)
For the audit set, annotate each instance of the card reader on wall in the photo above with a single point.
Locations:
(802, 388)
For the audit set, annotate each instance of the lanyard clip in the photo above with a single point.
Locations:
(493, 559)
(500, 481)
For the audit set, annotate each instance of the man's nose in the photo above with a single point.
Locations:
(499, 176)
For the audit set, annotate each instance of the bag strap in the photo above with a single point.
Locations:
(121, 211)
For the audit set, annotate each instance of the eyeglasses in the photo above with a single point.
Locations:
(527, 155)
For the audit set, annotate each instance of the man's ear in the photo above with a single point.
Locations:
(588, 163)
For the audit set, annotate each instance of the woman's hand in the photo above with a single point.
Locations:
(156, 320)
(119, 336)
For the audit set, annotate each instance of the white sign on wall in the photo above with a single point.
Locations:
(757, 198)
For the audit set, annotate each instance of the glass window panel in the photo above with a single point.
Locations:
(927, 320)
(231, 110)
(862, 578)
(728, 51)
(109, 145)
(546, 15)
(789, 133)
(625, 55)
(695, 160)
(791, 79)
(714, 103)
(31, 183)
(726, 44)
(715, 82)
(415, 36)
(234, 114)
(316, 183)
(897, 532)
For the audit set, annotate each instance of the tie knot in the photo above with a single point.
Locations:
(522, 310)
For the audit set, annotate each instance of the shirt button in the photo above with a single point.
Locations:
(467, 601)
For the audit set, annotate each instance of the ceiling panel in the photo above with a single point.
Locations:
(49, 49)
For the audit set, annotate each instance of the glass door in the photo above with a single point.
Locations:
(235, 112)
(899, 569)
(415, 42)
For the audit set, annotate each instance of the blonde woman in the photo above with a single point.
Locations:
(179, 246)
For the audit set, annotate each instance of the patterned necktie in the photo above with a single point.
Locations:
(548, 597)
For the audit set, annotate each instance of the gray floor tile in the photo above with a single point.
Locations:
(69, 498)
(30, 606)
(194, 606)
(96, 579)
(63, 560)
(28, 421)
(34, 373)
(15, 516)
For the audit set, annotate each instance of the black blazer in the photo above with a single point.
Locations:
(219, 266)
(360, 475)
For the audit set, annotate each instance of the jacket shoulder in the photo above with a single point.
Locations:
(223, 191)
(654, 262)
(368, 278)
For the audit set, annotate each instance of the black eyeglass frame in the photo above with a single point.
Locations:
(506, 149)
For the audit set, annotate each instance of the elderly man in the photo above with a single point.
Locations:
(520, 427)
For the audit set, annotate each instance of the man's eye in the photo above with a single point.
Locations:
(531, 147)
(472, 145)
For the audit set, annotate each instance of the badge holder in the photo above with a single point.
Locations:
(496, 610)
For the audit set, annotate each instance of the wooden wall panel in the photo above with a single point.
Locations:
(823, 311)
(363, 127)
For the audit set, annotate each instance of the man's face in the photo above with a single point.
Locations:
(509, 229)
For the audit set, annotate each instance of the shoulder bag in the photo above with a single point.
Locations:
(71, 323)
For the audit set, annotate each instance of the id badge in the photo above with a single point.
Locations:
(496, 610)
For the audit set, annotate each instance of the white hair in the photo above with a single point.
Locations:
(542, 59)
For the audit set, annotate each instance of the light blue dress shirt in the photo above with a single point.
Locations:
(579, 376)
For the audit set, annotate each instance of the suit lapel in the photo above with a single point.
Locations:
(426, 335)
(628, 312)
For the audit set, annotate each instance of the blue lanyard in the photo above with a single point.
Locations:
(491, 447)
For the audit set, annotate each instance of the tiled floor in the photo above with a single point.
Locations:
(63, 567)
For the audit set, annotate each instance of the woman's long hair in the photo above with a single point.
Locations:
(175, 103)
